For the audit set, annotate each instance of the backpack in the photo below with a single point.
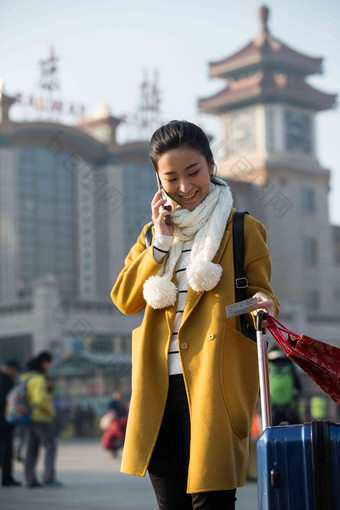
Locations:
(18, 411)
(282, 383)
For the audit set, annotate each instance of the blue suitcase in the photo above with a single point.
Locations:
(298, 466)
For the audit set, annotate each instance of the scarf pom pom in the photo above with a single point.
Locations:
(203, 275)
(159, 292)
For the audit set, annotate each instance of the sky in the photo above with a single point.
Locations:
(105, 46)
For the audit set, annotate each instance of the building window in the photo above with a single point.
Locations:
(336, 245)
(313, 301)
(270, 127)
(336, 294)
(47, 225)
(310, 251)
(298, 132)
(308, 200)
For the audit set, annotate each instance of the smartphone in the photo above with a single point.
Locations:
(166, 219)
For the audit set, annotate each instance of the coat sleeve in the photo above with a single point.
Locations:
(127, 292)
(257, 263)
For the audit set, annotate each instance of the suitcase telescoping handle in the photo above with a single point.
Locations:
(263, 371)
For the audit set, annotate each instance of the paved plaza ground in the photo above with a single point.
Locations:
(93, 482)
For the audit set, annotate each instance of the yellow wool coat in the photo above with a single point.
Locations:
(219, 363)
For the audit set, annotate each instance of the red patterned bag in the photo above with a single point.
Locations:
(319, 360)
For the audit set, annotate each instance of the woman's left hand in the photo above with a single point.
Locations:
(263, 303)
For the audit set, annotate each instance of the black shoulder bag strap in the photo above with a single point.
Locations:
(241, 282)
(148, 236)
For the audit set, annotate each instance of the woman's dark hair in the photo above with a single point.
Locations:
(37, 362)
(177, 134)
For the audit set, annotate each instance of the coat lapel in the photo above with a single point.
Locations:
(170, 312)
(193, 297)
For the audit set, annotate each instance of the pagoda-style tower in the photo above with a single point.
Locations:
(267, 109)
(267, 113)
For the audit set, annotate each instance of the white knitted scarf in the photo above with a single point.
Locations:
(206, 223)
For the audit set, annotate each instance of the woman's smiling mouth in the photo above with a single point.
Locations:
(189, 197)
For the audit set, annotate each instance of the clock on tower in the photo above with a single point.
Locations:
(242, 131)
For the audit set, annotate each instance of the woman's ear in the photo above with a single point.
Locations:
(212, 166)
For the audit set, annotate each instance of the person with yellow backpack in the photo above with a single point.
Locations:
(40, 428)
(285, 388)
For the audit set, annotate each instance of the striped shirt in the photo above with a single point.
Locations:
(161, 246)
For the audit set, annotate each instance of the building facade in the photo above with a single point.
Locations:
(72, 203)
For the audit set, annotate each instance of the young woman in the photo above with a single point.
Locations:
(194, 374)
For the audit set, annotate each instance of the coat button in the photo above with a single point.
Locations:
(211, 336)
(184, 345)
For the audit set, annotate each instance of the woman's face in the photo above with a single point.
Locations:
(185, 176)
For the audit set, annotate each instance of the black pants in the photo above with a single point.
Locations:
(168, 466)
(6, 451)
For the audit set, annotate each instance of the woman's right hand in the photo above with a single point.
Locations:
(158, 215)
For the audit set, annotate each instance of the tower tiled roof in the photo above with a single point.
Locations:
(267, 87)
(266, 70)
(265, 51)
